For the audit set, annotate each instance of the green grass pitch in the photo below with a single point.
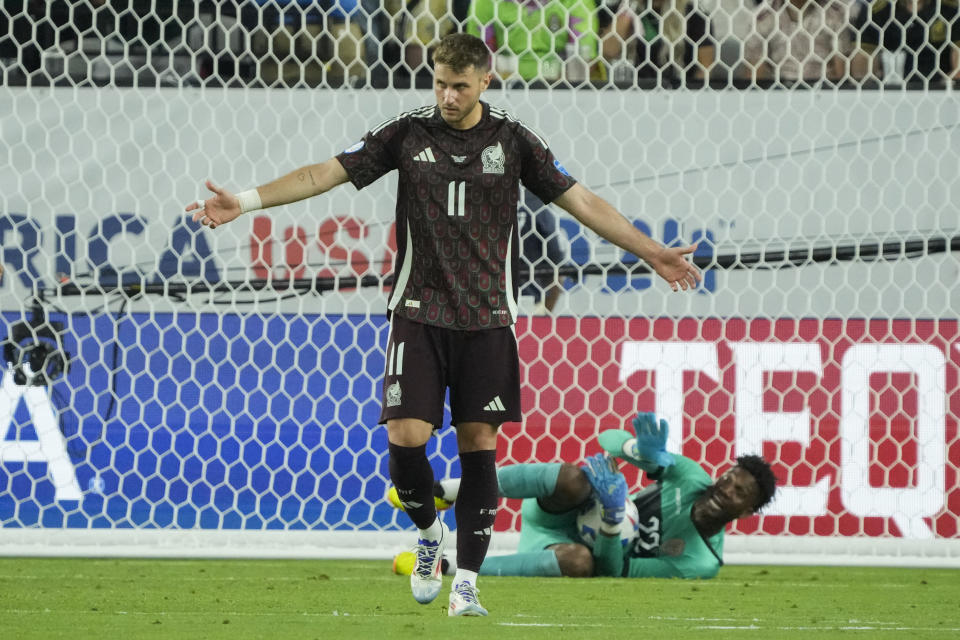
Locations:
(134, 598)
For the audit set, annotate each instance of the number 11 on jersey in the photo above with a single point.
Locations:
(456, 198)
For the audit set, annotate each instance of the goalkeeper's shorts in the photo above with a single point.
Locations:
(539, 529)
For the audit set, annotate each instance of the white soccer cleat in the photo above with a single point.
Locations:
(465, 601)
(427, 577)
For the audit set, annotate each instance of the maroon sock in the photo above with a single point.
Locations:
(476, 507)
(412, 475)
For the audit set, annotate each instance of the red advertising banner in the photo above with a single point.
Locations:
(858, 417)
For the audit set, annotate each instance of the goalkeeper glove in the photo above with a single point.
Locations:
(651, 442)
(609, 486)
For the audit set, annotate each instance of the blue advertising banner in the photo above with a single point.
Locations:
(207, 421)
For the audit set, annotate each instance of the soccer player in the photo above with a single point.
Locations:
(454, 296)
(681, 515)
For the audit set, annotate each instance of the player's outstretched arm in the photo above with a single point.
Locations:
(670, 263)
(305, 182)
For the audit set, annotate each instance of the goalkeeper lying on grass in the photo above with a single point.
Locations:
(680, 516)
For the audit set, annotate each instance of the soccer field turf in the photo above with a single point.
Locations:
(132, 598)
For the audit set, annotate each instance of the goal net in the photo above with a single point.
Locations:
(169, 389)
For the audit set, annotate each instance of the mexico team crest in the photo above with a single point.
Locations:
(393, 395)
(673, 547)
(493, 159)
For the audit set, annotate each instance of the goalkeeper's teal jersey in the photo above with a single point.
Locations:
(668, 545)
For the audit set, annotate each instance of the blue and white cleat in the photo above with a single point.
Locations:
(465, 601)
(427, 577)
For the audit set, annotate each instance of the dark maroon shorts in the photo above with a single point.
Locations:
(481, 368)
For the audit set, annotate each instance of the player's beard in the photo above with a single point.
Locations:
(451, 115)
(454, 115)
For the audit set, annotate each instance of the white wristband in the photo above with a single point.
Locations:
(249, 200)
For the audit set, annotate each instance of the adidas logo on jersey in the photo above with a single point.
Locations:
(495, 405)
(425, 156)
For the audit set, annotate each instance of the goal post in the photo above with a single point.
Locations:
(222, 388)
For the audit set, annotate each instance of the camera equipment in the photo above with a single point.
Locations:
(35, 350)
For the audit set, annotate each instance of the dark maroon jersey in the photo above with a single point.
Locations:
(457, 241)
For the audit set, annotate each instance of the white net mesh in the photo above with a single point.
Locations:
(229, 380)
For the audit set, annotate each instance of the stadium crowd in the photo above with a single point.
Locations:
(558, 43)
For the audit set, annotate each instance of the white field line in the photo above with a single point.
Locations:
(753, 627)
(745, 625)
(246, 614)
